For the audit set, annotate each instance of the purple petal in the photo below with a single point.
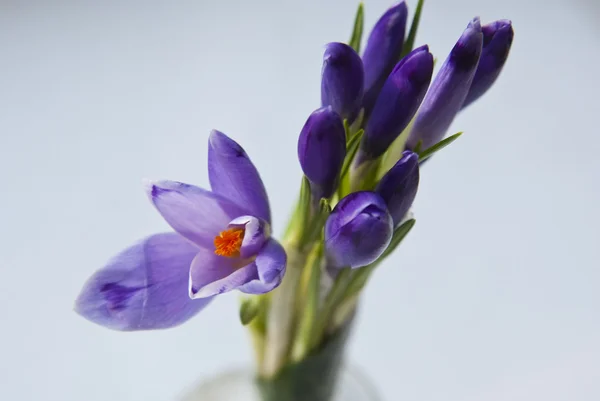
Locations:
(358, 230)
(212, 274)
(193, 212)
(342, 79)
(270, 265)
(233, 175)
(448, 90)
(497, 40)
(398, 102)
(257, 232)
(321, 150)
(144, 287)
(383, 51)
(399, 185)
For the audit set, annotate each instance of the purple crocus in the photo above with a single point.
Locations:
(383, 51)
(448, 90)
(321, 151)
(399, 185)
(497, 39)
(398, 102)
(357, 231)
(342, 80)
(222, 242)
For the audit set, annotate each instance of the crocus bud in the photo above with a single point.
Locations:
(321, 150)
(398, 187)
(448, 90)
(357, 231)
(342, 80)
(398, 102)
(383, 51)
(497, 39)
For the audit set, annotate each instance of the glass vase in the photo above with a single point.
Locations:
(241, 385)
(321, 376)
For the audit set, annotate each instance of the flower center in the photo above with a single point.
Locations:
(229, 242)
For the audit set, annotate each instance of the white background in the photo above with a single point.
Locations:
(494, 296)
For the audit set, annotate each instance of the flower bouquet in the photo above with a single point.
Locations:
(382, 116)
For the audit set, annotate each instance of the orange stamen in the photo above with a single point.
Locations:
(229, 242)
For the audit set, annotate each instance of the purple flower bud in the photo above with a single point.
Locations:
(448, 90)
(497, 39)
(321, 150)
(398, 187)
(342, 80)
(398, 101)
(357, 231)
(383, 51)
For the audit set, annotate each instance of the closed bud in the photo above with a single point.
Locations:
(321, 151)
(383, 51)
(342, 80)
(358, 230)
(497, 39)
(398, 102)
(398, 187)
(448, 90)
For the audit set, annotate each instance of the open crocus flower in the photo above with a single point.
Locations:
(222, 243)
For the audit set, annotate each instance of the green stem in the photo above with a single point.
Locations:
(281, 314)
(308, 302)
(332, 300)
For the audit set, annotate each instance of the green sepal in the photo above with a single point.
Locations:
(427, 153)
(357, 123)
(249, 309)
(313, 229)
(410, 40)
(418, 147)
(358, 28)
(347, 130)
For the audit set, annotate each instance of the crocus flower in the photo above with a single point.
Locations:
(222, 242)
(321, 150)
(497, 39)
(342, 80)
(398, 102)
(357, 231)
(398, 187)
(383, 51)
(448, 90)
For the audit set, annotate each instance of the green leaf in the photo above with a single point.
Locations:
(398, 236)
(358, 28)
(305, 199)
(359, 280)
(351, 149)
(410, 40)
(427, 153)
(249, 310)
(298, 220)
(361, 276)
